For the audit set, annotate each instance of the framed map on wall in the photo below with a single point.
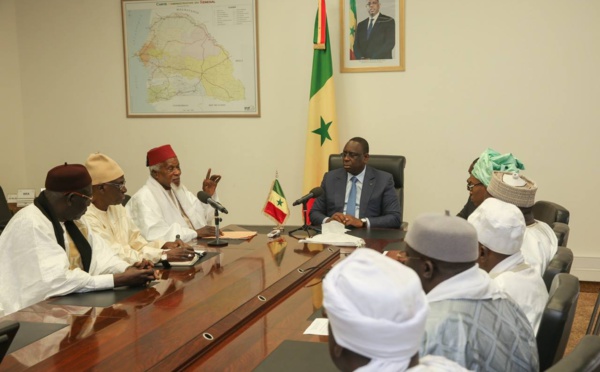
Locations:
(191, 58)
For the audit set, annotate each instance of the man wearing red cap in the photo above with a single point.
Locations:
(163, 208)
(46, 251)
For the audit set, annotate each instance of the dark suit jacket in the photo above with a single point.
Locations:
(378, 200)
(381, 42)
(467, 209)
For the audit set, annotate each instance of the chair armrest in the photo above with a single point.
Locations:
(562, 233)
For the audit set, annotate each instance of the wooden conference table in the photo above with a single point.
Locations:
(216, 315)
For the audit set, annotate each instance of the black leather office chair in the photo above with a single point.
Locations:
(585, 357)
(556, 216)
(557, 319)
(5, 213)
(8, 330)
(560, 263)
(393, 164)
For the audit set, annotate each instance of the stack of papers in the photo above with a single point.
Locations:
(334, 233)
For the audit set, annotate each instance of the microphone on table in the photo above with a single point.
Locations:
(205, 198)
(314, 193)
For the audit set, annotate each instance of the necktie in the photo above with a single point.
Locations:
(351, 206)
(369, 28)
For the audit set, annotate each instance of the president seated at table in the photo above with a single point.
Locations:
(357, 195)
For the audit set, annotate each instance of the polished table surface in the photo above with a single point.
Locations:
(287, 321)
(188, 315)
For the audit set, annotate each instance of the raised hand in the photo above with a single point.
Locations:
(209, 185)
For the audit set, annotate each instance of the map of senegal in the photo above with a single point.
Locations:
(183, 59)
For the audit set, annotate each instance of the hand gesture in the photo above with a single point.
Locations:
(209, 185)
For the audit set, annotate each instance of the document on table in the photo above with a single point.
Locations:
(239, 235)
(318, 327)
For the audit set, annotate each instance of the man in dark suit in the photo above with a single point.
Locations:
(357, 195)
(376, 35)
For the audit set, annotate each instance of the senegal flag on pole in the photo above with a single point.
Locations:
(276, 206)
(322, 133)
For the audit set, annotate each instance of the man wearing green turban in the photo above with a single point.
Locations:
(480, 174)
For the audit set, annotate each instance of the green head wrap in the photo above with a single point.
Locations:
(490, 161)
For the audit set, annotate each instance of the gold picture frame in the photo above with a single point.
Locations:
(372, 45)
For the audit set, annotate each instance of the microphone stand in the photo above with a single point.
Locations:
(217, 242)
(307, 228)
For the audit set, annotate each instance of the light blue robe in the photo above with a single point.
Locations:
(481, 335)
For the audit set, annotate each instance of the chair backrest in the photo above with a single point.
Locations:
(560, 263)
(557, 319)
(393, 164)
(585, 357)
(556, 216)
(550, 212)
(5, 213)
(8, 330)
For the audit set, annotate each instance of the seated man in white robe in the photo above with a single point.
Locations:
(163, 208)
(471, 321)
(107, 217)
(377, 312)
(539, 242)
(45, 251)
(500, 228)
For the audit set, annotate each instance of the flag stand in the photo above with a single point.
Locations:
(217, 242)
(304, 227)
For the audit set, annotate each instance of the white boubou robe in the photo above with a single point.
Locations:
(158, 212)
(522, 282)
(539, 246)
(34, 267)
(123, 236)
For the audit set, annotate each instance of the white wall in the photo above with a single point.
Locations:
(12, 163)
(512, 75)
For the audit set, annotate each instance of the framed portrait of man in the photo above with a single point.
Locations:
(372, 35)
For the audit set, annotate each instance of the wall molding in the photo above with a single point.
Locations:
(586, 268)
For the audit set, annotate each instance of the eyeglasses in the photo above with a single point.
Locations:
(87, 198)
(471, 186)
(120, 186)
(352, 155)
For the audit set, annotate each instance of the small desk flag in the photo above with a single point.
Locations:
(276, 206)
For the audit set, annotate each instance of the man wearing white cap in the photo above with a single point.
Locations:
(164, 208)
(471, 321)
(539, 242)
(500, 227)
(377, 312)
(108, 218)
